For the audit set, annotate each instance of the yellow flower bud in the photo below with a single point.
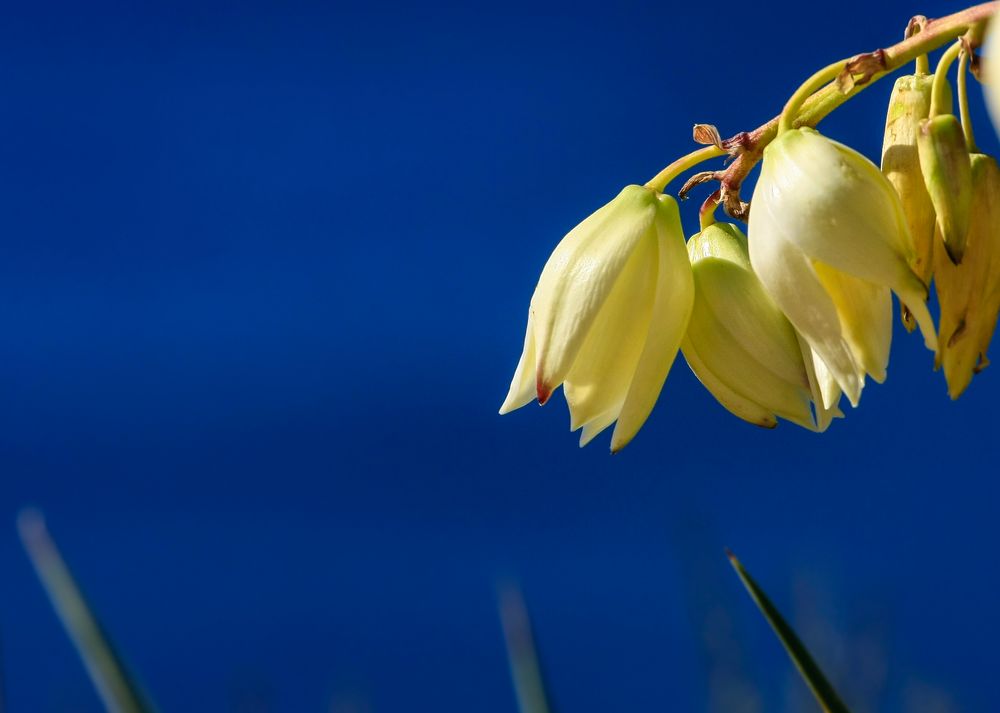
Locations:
(910, 104)
(738, 343)
(969, 293)
(829, 240)
(944, 161)
(608, 315)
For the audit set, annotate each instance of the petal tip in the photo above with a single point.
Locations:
(544, 392)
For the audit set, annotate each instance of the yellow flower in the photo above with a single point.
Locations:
(944, 162)
(608, 315)
(829, 240)
(910, 104)
(740, 345)
(969, 293)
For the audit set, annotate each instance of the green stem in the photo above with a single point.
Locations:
(963, 102)
(706, 216)
(918, 24)
(811, 85)
(940, 96)
(660, 180)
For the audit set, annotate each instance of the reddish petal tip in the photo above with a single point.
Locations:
(544, 392)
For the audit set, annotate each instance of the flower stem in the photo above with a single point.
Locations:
(963, 102)
(933, 35)
(940, 96)
(706, 216)
(660, 180)
(815, 82)
(916, 25)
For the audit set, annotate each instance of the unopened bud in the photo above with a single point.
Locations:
(738, 342)
(944, 161)
(969, 293)
(909, 105)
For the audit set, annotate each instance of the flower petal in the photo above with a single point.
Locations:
(522, 386)
(735, 403)
(599, 378)
(671, 311)
(836, 207)
(792, 281)
(865, 316)
(580, 275)
(825, 391)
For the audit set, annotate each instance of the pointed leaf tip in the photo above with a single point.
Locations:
(822, 690)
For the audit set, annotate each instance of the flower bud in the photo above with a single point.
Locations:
(969, 293)
(944, 161)
(608, 315)
(738, 343)
(828, 240)
(910, 104)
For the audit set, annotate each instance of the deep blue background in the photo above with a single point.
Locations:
(262, 290)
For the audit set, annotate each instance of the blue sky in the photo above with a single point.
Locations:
(264, 287)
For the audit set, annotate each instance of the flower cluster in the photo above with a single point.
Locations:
(786, 319)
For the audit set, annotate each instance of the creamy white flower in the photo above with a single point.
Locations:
(740, 345)
(608, 315)
(829, 240)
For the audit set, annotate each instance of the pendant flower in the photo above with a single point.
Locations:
(829, 240)
(740, 345)
(969, 293)
(944, 162)
(909, 105)
(608, 315)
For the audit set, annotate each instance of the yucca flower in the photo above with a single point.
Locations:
(944, 162)
(740, 345)
(608, 315)
(909, 105)
(969, 293)
(829, 240)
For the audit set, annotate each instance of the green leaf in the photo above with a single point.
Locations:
(525, 669)
(825, 694)
(115, 687)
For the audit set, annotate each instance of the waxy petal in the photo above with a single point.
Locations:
(835, 206)
(734, 402)
(738, 343)
(522, 386)
(671, 311)
(599, 378)
(865, 316)
(578, 278)
(791, 279)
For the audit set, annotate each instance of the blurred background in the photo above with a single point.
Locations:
(263, 286)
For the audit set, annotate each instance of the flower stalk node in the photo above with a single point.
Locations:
(915, 26)
(732, 204)
(866, 65)
(975, 66)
